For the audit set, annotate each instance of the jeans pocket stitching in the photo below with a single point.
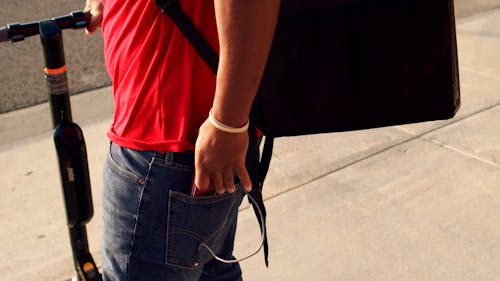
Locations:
(139, 210)
(208, 199)
(125, 172)
(170, 258)
(173, 232)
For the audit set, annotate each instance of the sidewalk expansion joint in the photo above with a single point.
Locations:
(481, 73)
(464, 153)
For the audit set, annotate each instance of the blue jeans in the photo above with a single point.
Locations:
(153, 228)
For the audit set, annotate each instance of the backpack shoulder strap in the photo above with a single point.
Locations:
(173, 9)
(265, 161)
(256, 192)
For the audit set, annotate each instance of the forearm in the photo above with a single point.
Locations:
(246, 29)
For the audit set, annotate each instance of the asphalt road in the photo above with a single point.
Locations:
(21, 63)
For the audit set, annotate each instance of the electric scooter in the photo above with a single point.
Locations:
(68, 136)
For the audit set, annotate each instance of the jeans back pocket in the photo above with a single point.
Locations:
(194, 221)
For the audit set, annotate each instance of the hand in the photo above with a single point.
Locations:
(218, 156)
(95, 7)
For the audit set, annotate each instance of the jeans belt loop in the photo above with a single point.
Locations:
(169, 158)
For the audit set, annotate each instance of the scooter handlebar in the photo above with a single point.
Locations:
(4, 34)
(16, 32)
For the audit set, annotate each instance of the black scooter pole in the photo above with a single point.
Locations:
(68, 137)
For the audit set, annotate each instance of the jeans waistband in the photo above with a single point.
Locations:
(184, 158)
(168, 158)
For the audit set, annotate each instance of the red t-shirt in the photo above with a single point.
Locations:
(163, 90)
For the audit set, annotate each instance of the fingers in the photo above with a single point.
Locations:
(228, 178)
(95, 7)
(95, 22)
(201, 180)
(242, 173)
(218, 183)
(221, 182)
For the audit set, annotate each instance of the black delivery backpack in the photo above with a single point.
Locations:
(346, 65)
(341, 65)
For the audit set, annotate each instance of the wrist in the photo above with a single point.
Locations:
(231, 115)
(226, 127)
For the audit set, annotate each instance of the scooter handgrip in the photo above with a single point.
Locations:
(4, 34)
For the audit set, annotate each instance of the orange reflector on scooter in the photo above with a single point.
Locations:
(88, 267)
(90, 271)
(54, 71)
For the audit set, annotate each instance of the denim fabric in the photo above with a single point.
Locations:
(152, 228)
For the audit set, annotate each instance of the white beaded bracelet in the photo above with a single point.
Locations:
(225, 128)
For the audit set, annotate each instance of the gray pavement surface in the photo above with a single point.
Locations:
(465, 8)
(413, 202)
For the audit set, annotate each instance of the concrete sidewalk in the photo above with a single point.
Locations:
(415, 202)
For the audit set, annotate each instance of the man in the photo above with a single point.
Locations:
(164, 94)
